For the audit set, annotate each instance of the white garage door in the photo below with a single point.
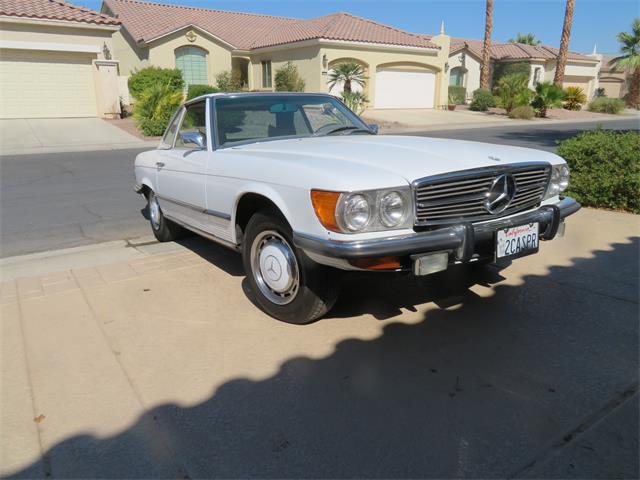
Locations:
(46, 84)
(404, 89)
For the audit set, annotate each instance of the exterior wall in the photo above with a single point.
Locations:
(471, 64)
(65, 38)
(614, 84)
(131, 56)
(307, 59)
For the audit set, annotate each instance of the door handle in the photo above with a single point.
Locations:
(159, 164)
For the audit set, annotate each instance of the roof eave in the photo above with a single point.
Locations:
(63, 23)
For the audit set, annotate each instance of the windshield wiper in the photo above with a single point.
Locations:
(351, 128)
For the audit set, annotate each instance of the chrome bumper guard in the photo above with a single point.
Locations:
(461, 238)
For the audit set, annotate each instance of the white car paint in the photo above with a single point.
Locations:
(405, 89)
(286, 170)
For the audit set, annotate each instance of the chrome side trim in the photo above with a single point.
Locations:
(214, 213)
(204, 234)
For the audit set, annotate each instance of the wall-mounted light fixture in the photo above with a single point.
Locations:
(446, 67)
(325, 62)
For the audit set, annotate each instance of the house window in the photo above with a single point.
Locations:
(192, 62)
(456, 77)
(536, 75)
(266, 74)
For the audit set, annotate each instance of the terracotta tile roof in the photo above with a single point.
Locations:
(53, 10)
(512, 51)
(146, 21)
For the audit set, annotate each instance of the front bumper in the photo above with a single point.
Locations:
(462, 239)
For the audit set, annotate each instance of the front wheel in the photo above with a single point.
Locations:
(286, 283)
(163, 229)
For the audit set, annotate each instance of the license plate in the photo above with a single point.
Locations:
(517, 241)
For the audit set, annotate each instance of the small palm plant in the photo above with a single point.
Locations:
(574, 98)
(356, 101)
(547, 96)
(629, 59)
(347, 73)
(513, 91)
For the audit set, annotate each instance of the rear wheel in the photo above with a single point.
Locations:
(163, 229)
(285, 283)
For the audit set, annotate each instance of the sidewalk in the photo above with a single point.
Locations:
(51, 135)
(138, 359)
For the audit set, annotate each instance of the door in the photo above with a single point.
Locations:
(181, 170)
(38, 84)
(397, 88)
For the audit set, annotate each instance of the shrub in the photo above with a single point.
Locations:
(605, 168)
(196, 90)
(154, 108)
(606, 105)
(482, 100)
(457, 94)
(229, 81)
(514, 91)
(507, 68)
(288, 79)
(600, 92)
(141, 80)
(574, 98)
(524, 112)
(547, 95)
(355, 101)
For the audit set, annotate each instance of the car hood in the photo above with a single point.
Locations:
(391, 156)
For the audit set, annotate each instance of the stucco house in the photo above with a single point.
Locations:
(465, 60)
(56, 61)
(614, 83)
(403, 69)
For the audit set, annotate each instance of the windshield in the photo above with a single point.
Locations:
(254, 118)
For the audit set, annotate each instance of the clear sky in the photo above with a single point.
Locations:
(595, 21)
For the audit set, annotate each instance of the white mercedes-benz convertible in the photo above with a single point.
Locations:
(303, 188)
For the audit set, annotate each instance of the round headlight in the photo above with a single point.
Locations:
(357, 212)
(392, 209)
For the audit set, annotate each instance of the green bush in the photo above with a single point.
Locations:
(355, 101)
(548, 95)
(229, 81)
(514, 91)
(141, 80)
(196, 90)
(605, 168)
(508, 68)
(574, 98)
(154, 108)
(288, 79)
(524, 112)
(457, 94)
(606, 105)
(482, 100)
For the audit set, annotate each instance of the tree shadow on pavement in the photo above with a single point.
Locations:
(477, 388)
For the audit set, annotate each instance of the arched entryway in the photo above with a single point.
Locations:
(192, 62)
(338, 88)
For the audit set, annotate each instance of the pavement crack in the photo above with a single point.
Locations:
(569, 437)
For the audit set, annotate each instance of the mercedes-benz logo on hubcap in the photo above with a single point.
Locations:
(273, 268)
(501, 193)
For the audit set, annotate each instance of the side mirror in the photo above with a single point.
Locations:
(374, 128)
(194, 138)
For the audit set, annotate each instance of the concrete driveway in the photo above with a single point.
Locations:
(160, 367)
(48, 135)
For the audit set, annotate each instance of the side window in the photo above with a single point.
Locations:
(170, 132)
(194, 120)
(266, 74)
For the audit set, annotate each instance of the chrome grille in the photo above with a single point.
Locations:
(462, 195)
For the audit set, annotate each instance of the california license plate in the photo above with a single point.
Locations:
(517, 241)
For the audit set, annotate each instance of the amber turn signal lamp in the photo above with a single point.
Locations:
(324, 204)
(382, 263)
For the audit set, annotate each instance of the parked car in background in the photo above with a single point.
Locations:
(304, 189)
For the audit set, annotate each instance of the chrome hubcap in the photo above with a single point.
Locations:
(154, 212)
(275, 268)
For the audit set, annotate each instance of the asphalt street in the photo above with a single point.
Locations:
(61, 200)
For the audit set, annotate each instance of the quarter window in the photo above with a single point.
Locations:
(194, 120)
(266, 73)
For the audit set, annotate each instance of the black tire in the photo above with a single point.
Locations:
(317, 288)
(163, 229)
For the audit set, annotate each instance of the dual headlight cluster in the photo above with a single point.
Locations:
(559, 180)
(365, 211)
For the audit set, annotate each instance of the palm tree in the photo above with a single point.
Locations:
(486, 48)
(526, 38)
(629, 58)
(561, 62)
(347, 73)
